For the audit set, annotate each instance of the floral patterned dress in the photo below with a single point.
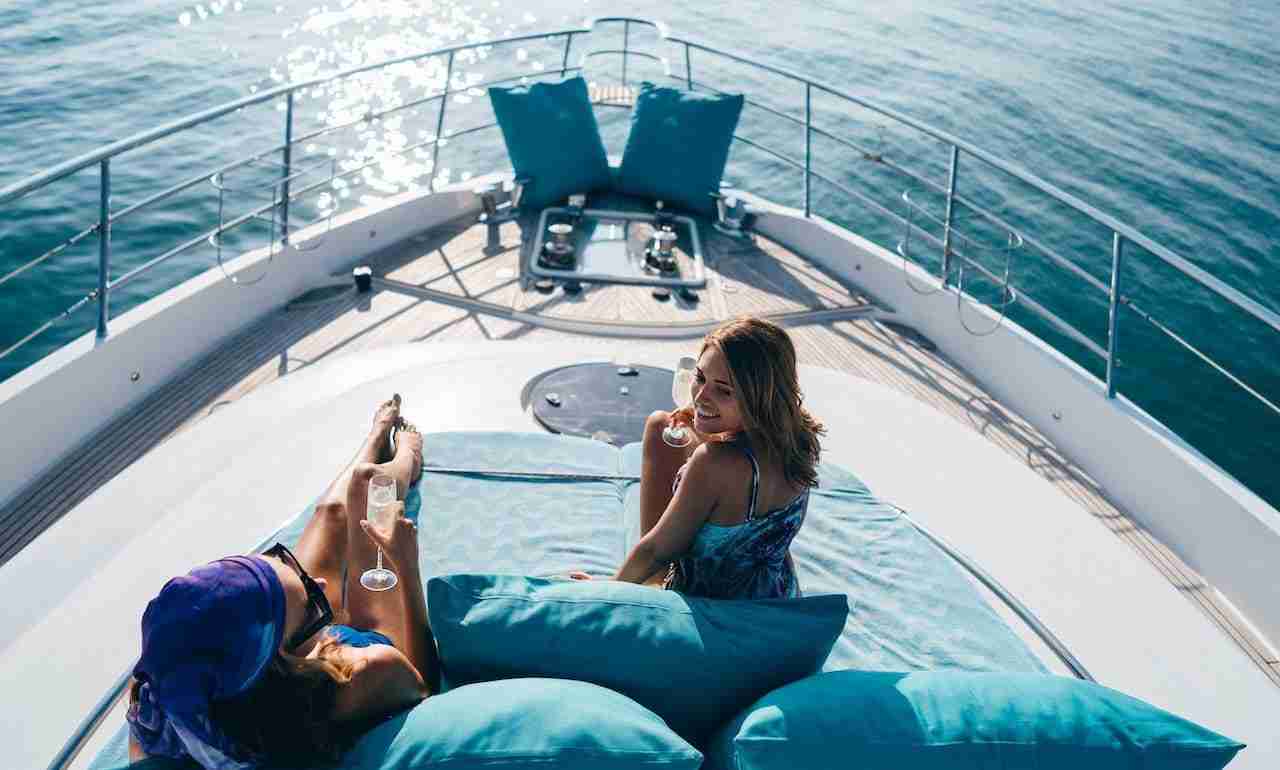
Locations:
(750, 560)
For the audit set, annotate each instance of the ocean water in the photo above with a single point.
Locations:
(1161, 113)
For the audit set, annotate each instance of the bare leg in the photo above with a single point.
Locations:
(376, 448)
(322, 549)
(377, 609)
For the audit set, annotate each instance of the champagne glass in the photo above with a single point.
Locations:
(381, 514)
(682, 395)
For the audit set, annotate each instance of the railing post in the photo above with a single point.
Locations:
(564, 62)
(287, 171)
(688, 68)
(444, 100)
(946, 225)
(1113, 326)
(104, 244)
(808, 142)
(626, 41)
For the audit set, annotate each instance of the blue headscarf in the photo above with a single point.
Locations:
(207, 636)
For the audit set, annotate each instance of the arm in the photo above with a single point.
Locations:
(420, 643)
(688, 510)
(409, 630)
(389, 679)
(383, 682)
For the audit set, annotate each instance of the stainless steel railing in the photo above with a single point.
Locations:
(1122, 234)
(959, 150)
(104, 156)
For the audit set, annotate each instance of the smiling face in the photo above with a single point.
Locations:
(715, 402)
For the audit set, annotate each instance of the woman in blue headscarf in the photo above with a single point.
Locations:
(242, 661)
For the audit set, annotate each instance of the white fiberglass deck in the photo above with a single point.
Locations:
(235, 447)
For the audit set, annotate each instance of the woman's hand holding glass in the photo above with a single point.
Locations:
(399, 542)
(682, 419)
(679, 431)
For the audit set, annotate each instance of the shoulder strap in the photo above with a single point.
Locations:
(755, 479)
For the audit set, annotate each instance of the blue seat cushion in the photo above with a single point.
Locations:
(524, 723)
(552, 137)
(516, 723)
(678, 146)
(694, 662)
(961, 720)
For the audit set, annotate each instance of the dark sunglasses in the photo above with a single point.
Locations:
(319, 613)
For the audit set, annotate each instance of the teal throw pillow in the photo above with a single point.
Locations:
(961, 720)
(694, 662)
(516, 723)
(523, 723)
(552, 138)
(678, 146)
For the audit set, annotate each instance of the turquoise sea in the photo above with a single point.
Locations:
(1162, 113)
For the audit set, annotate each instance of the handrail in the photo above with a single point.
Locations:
(1249, 305)
(1024, 297)
(102, 157)
(19, 189)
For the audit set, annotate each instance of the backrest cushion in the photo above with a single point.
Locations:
(553, 138)
(678, 146)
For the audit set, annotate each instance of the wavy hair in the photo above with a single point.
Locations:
(286, 718)
(762, 364)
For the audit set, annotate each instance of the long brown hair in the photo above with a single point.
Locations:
(286, 718)
(762, 364)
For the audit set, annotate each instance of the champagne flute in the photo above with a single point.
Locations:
(381, 514)
(682, 394)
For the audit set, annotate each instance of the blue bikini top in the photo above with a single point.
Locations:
(355, 637)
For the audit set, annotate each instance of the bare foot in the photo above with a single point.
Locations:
(409, 440)
(385, 421)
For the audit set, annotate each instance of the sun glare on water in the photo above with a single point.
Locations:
(381, 153)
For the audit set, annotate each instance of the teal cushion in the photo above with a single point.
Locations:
(957, 720)
(678, 146)
(694, 662)
(517, 723)
(533, 723)
(552, 137)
